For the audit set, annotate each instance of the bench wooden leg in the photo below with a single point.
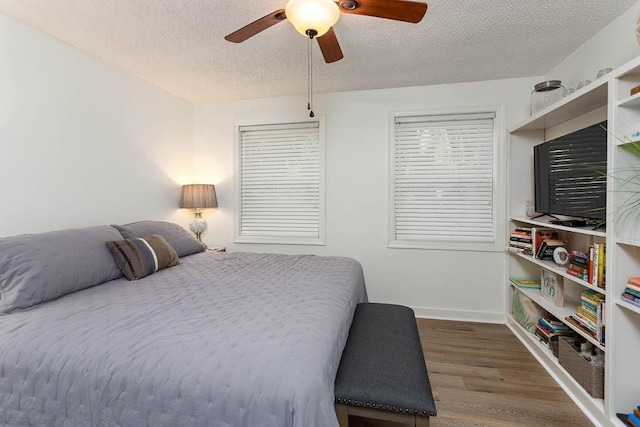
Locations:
(343, 411)
(343, 414)
(422, 421)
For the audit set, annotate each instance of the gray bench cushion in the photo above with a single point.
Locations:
(382, 365)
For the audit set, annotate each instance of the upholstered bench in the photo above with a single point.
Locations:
(382, 373)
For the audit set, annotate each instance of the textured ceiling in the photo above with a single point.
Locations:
(179, 45)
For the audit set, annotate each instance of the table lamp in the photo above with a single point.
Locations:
(198, 196)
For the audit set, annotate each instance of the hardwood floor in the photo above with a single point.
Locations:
(481, 375)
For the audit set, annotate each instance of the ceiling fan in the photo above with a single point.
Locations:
(315, 19)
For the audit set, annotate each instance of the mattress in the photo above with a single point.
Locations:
(232, 339)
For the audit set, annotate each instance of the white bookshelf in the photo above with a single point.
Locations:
(608, 99)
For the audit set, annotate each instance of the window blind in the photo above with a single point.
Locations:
(444, 178)
(280, 181)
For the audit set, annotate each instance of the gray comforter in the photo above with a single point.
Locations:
(219, 340)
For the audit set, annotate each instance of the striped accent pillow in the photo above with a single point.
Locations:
(138, 258)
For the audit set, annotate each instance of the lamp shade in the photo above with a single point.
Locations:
(317, 15)
(198, 196)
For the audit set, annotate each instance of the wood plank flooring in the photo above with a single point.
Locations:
(481, 375)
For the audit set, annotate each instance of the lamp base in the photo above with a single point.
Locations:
(198, 226)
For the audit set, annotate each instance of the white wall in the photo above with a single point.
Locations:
(448, 284)
(613, 46)
(82, 143)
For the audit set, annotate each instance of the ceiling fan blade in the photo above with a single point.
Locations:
(330, 47)
(398, 10)
(256, 26)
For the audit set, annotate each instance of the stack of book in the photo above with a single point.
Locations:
(590, 316)
(578, 265)
(526, 283)
(631, 293)
(520, 241)
(549, 328)
(633, 418)
(597, 265)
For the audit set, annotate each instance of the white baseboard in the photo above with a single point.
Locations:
(460, 315)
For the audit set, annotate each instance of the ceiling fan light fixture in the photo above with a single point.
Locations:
(349, 4)
(315, 15)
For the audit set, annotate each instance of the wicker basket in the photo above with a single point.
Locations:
(587, 375)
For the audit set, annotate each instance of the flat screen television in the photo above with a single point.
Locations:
(569, 174)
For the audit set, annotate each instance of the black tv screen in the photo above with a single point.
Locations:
(570, 174)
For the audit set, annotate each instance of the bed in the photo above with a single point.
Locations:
(235, 339)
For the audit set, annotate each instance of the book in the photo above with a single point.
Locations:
(521, 240)
(630, 299)
(554, 331)
(589, 305)
(602, 260)
(599, 261)
(588, 315)
(576, 324)
(538, 235)
(544, 330)
(553, 324)
(577, 269)
(624, 418)
(633, 287)
(579, 259)
(632, 292)
(594, 259)
(600, 323)
(585, 326)
(519, 244)
(521, 235)
(579, 255)
(544, 338)
(591, 296)
(547, 247)
(526, 283)
(634, 281)
(590, 278)
(517, 250)
(572, 272)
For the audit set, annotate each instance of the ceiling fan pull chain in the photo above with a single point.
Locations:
(310, 78)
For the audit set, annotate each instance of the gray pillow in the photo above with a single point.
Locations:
(35, 268)
(180, 239)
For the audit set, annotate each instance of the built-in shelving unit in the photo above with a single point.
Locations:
(607, 98)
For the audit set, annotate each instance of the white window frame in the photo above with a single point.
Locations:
(499, 185)
(283, 240)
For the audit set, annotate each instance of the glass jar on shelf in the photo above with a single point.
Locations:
(544, 94)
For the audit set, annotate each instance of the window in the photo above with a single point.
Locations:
(444, 173)
(281, 183)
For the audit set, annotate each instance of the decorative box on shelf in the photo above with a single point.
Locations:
(552, 287)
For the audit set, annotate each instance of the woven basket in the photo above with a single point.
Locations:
(590, 377)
